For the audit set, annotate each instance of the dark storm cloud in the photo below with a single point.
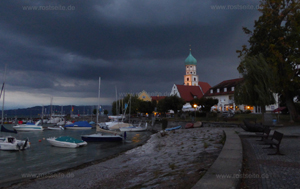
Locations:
(131, 44)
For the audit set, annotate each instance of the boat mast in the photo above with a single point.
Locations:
(98, 109)
(116, 101)
(3, 94)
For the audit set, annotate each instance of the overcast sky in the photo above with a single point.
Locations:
(133, 45)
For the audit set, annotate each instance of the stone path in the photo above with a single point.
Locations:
(271, 171)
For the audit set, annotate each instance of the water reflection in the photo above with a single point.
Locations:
(136, 138)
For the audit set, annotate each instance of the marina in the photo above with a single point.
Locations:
(43, 159)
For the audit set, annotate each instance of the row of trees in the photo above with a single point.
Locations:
(271, 63)
(169, 103)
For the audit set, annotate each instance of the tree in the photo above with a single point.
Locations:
(205, 103)
(146, 107)
(170, 103)
(255, 89)
(276, 35)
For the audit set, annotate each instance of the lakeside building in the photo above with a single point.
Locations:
(224, 92)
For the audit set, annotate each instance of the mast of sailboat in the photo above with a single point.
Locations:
(129, 107)
(3, 90)
(116, 101)
(98, 109)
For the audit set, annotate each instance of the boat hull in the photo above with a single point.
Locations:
(78, 128)
(101, 138)
(61, 144)
(28, 128)
(132, 129)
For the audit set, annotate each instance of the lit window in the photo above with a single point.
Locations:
(225, 89)
(218, 90)
(232, 88)
(211, 91)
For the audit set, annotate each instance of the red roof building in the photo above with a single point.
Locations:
(188, 93)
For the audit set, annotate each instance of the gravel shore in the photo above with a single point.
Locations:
(177, 160)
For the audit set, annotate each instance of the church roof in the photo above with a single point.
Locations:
(188, 93)
(190, 60)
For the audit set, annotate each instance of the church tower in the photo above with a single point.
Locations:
(191, 77)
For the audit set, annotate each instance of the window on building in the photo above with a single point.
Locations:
(218, 90)
(187, 67)
(191, 72)
(211, 91)
(187, 79)
(191, 66)
(143, 97)
(232, 88)
(194, 79)
(225, 89)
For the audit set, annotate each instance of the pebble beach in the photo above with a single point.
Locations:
(176, 160)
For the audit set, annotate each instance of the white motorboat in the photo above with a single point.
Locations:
(66, 142)
(29, 127)
(134, 128)
(11, 143)
(56, 128)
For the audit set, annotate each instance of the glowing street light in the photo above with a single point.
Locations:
(195, 106)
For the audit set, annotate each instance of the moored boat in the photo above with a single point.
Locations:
(56, 128)
(134, 128)
(11, 143)
(66, 142)
(29, 127)
(173, 128)
(79, 125)
(99, 137)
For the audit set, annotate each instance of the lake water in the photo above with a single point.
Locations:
(42, 158)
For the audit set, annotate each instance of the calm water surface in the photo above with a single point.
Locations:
(42, 158)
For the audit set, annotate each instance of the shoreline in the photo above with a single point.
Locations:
(181, 157)
(8, 184)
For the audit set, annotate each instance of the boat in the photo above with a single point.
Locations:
(100, 137)
(11, 143)
(3, 129)
(92, 123)
(56, 128)
(173, 128)
(66, 142)
(134, 128)
(64, 122)
(79, 125)
(29, 127)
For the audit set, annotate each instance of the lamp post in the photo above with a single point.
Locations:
(195, 106)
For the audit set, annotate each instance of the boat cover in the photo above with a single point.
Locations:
(68, 139)
(79, 124)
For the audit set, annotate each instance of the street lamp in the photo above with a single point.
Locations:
(195, 106)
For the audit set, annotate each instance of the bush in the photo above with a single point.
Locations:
(164, 123)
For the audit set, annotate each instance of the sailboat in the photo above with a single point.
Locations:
(100, 136)
(10, 142)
